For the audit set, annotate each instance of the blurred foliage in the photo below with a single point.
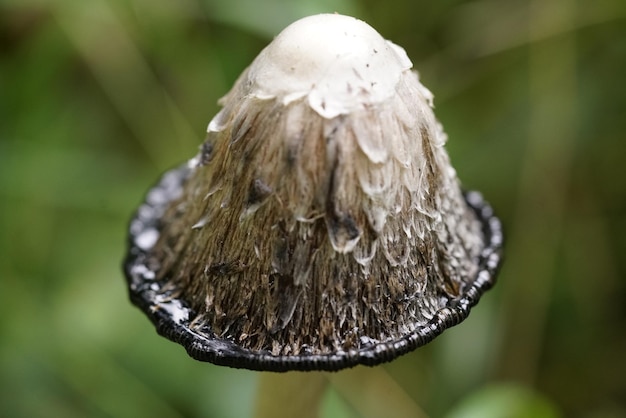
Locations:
(98, 97)
(510, 401)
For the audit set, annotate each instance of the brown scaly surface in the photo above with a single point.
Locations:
(299, 234)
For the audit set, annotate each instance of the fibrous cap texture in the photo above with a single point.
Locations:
(321, 218)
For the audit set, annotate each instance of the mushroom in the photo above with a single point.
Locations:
(321, 224)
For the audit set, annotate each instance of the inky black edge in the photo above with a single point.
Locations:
(146, 294)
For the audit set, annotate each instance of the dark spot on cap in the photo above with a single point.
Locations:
(206, 153)
(258, 192)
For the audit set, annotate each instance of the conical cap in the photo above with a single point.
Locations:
(321, 225)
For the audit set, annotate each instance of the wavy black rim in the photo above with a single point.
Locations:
(146, 294)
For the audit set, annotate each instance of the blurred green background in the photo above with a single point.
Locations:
(98, 97)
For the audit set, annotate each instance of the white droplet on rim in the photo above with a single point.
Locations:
(147, 238)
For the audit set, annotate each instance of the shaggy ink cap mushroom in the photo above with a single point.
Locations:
(321, 225)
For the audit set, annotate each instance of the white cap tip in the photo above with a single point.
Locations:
(338, 62)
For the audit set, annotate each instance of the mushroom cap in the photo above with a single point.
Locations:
(321, 225)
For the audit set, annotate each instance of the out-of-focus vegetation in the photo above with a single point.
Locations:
(98, 97)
